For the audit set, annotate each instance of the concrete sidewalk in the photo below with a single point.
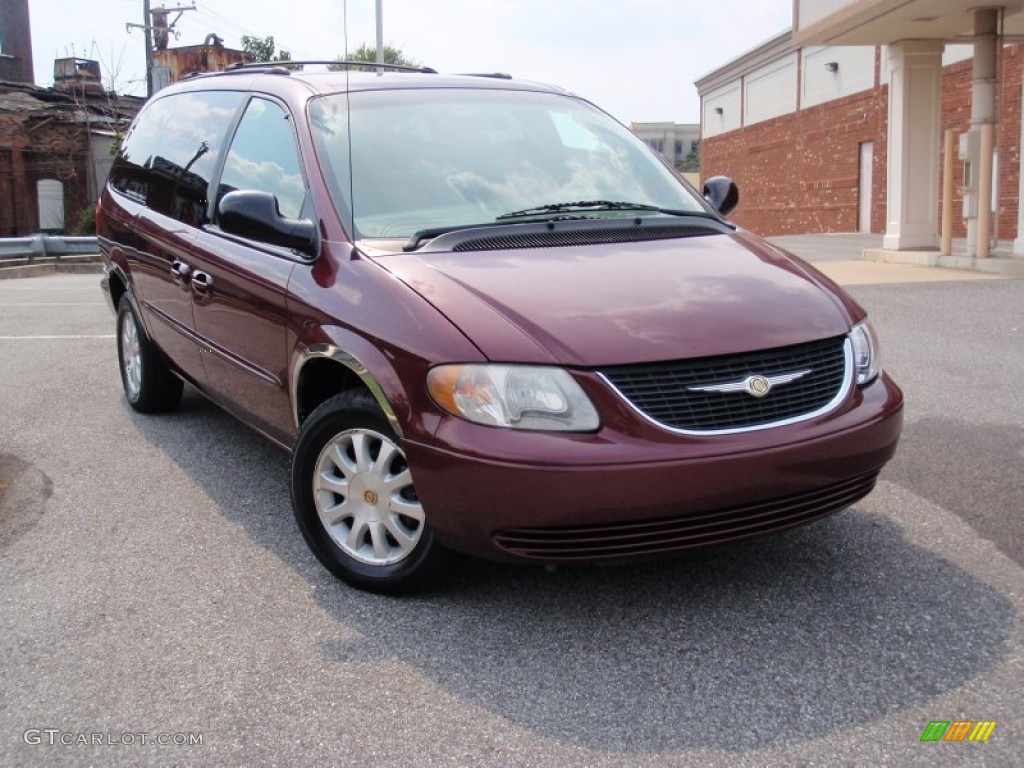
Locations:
(841, 246)
(858, 259)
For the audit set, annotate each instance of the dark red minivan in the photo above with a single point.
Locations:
(483, 317)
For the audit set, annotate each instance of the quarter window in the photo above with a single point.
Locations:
(263, 157)
(167, 160)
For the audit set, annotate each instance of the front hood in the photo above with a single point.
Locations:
(625, 303)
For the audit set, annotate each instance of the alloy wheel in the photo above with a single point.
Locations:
(131, 355)
(364, 495)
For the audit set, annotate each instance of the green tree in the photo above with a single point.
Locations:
(368, 53)
(691, 163)
(262, 49)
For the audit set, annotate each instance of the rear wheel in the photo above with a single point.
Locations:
(148, 384)
(355, 501)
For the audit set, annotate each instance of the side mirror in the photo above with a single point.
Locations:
(722, 193)
(255, 215)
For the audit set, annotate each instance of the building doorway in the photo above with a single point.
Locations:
(867, 157)
(50, 194)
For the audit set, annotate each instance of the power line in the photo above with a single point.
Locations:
(215, 18)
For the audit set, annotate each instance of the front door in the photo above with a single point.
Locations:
(240, 286)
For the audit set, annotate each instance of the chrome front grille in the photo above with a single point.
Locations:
(674, 395)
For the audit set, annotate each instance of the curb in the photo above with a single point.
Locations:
(82, 265)
(996, 265)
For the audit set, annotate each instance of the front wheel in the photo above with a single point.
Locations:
(355, 501)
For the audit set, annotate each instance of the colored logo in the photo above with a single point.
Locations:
(958, 730)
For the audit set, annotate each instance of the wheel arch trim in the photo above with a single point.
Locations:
(115, 271)
(129, 293)
(355, 365)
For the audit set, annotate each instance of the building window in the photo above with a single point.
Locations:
(50, 196)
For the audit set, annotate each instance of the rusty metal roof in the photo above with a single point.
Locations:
(31, 99)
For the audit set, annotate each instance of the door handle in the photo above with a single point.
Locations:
(202, 283)
(180, 272)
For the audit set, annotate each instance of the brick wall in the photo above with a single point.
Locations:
(956, 114)
(1008, 139)
(32, 149)
(799, 173)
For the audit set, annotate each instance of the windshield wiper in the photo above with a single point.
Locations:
(598, 205)
(416, 238)
(420, 235)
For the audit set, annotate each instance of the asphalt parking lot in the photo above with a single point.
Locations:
(154, 584)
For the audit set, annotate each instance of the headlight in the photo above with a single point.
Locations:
(865, 353)
(517, 396)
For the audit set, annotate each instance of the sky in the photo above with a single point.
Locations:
(637, 59)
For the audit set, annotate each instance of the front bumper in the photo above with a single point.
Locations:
(707, 494)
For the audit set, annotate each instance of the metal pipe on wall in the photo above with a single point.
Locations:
(983, 90)
(985, 191)
(947, 193)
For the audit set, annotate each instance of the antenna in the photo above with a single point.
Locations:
(348, 125)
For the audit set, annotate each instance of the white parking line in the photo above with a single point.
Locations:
(46, 338)
(37, 287)
(53, 303)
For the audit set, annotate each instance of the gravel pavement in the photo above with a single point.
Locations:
(155, 588)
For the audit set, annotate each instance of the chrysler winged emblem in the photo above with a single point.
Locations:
(755, 386)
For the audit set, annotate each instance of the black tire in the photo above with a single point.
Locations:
(149, 385)
(364, 531)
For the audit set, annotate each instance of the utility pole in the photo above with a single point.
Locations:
(380, 34)
(147, 30)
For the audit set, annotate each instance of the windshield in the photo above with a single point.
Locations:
(446, 158)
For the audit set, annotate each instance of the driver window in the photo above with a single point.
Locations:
(263, 157)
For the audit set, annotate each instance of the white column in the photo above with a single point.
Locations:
(915, 118)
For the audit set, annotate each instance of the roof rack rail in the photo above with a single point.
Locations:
(497, 75)
(289, 65)
(237, 69)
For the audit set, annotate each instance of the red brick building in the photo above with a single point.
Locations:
(842, 124)
(54, 154)
(801, 171)
(56, 144)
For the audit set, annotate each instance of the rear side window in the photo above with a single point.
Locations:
(168, 158)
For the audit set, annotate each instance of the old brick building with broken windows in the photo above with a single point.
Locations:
(55, 150)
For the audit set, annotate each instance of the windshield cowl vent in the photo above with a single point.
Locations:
(569, 237)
